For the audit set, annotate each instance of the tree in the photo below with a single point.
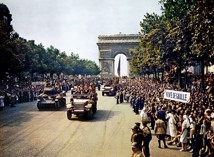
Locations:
(146, 58)
(176, 9)
(202, 27)
(18, 55)
(176, 49)
(11, 56)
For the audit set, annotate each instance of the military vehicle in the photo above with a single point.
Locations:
(51, 97)
(82, 105)
(108, 90)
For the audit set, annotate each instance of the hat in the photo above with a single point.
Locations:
(173, 111)
(163, 108)
(144, 122)
(137, 124)
(135, 127)
(167, 112)
(185, 116)
(135, 145)
(208, 110)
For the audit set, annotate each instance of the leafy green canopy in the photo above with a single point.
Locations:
(182, 36)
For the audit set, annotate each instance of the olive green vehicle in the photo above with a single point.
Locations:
(51, 98)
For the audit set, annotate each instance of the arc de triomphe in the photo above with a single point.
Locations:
(112, 45)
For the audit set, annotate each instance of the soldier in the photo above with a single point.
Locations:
(147, 138)
(118, 96)
(137, 136)
(13, 99)
(136, 152)
(1, 102)
(121, 96)
(160, 131)
(137, 104)
(142, 99)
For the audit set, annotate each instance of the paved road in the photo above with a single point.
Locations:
(26, 132)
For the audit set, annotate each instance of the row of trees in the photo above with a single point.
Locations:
(18, 55)
(181, 37)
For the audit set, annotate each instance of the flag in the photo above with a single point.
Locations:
(118, 68)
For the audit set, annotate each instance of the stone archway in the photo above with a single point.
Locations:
(112, 45)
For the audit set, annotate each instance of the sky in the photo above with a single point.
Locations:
(74, 25)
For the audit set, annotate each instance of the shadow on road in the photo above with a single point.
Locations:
(103, 115)
(100, 115)
(13, 117)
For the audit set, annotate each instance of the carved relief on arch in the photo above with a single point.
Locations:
(105, 67)
(105, 53)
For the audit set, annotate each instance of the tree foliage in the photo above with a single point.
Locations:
(11, 56)
(202, 28)
(175, 9)
(146, 58)
(182, 36)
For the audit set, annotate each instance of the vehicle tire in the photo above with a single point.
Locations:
(64, 102)
(69, 114)
(90, 114)
(57, 105)
(94, 109)
(39, 106)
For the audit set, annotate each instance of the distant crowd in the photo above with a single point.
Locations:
(29, 89)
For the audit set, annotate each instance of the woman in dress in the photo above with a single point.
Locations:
(172, 126)
(184, 132)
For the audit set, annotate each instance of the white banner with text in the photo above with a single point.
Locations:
(177, 95)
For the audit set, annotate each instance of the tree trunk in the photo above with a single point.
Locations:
(179, 73)
(155, 72)
(202, 73)
(158, 75)
(162, 75)
(185, 79)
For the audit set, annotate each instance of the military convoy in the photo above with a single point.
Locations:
(83, 101)
(51, 98)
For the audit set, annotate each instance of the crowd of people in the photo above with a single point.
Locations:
(15, 92)
(188, 125)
